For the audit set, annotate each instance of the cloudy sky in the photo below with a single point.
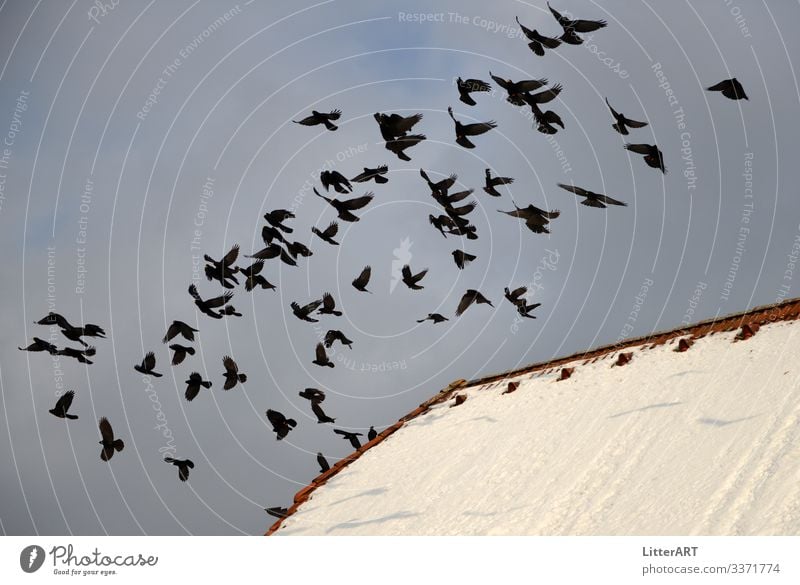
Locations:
(138, 137)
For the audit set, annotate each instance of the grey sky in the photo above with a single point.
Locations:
(70, 91)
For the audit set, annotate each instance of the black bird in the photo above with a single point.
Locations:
(323, 463)
(440, 187)
(179, 328)
(336, 180)
(208, 306)
(362, 280)
(492, 182)
(536, 219)
(399, 145)
(592, 199)
(147, 365)
(298, 249)
(183, 465)
(471, 296)
(652, 155)
(396, 126)
(464, 130)
(435, 317)
(375, 174)
(231, 373)
(276, 218)
(78, 354)
(304, 311)
(280, 424)
(622, 123)
(328, 233)
(109, 443)
(462, 258)
(411, 280)
(344, 208)
(277, 511)
(321, 118)
(329, 306)
(180, 353)
(193, 385)
(269, 234)
(223, 270)
(440, 222)
(321, 358)
(517, 90)
(313, 394)
(538, 42)
(516, 297)
(40, 345)
(253, 277)
(446, 200)
(467, 87)
(62, 405)
(572, 27)
(274, 251)
(70, 332)
(320, 414)
(372, 433)
(730, 88)
(542, 97)
(545, 121)
(336, 335)
(352, 437)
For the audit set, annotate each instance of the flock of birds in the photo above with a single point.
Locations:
(453, 221)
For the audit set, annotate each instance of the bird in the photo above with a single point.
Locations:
(277, 511)
(446, 200)
(411, 280)
(352, 437)
(464, 130)
(440, 187)
(730, 88)
(336, 180)
(230, 310)
(328, 233)
(375, 174)
(542, 97)
(179, 328)
(321, 118)
(323, 463)
(516, 298)
(270, 233)
(517, 90)
(183, 465)
(223, 270)
(492, 182)
(303, 312)
(362, 280)
(207, 307)
(535, 219)
(78, 354)
(312, 394)
(62, 406)
(336, 335)
(40, 345)
(193, 385)
(435, 317)
(394, 126)
(147, 365)
(466, 87)
(328, 306)
(280, 424)
(70, 332)
(253, 277)
(276, 217)
(372, 433)
(321, 358)
(108, 442)
(231, 373)
(622, 123)
(180, 353)
(296, 249)
(399, 145)
(652, 155)
(344, 208)
(592, 199)
(320, 414)
(545, 121)
(440, 222)
(462, 258)
(538, 42)
(572, 27)
(471, 296)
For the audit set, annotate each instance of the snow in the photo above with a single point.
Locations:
(704, 442)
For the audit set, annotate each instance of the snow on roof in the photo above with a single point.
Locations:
(692, 431)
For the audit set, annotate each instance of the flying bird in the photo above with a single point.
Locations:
(321, 358)
(336, 180)
(462, 258)
(180, 353)
(298, 249)
(231, 373)
(412, 280)
(312, 394)
(321, 118)
(492, 182)
(375, 174)
(345, 208)
(394, 126)
(328, 306)
(40, 345)
(303, 313)
(435, 317)
(280, 424)
(592, 199)
(183, 465)
(440, 187)
(399, 145)
(372, 433)
(253, 277)
(223, 270)
(466, 87)
(518, 90)
(622, 123)
(78, 354)
(147, 365)
(464, 130)
(538, 42)
(352, 437)
(516, 298)
(535, 219)
(207, 307)
(328, 233)
(62, 405)
(269, 234)
(572, 27)
(69, 331)
(336, 335)
(179, 328)
(652, 155)
(362, 280)
(546, 122)
(320, 414)
(193, 385)
(730, 88)
(108, 442)
(323, 463)
(276, 217)
(471, 296)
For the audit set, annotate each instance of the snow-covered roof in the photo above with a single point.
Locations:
(692, 431)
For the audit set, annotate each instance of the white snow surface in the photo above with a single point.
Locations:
(704, 442)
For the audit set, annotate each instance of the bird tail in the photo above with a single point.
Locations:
(119, 445)
(381, 180)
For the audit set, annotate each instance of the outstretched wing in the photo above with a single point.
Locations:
(639, 148)
(231, 256)
(194, 293)
(358, 202)
(577, 190)
(479, 128)
(219, 301)
(364, 277)
(527, 85)
(465, 302)
(321, 355)
(609, 200)
(149, 361)
(106, 432)
(544, 96)
(64, 402)
(230, 365)
(327, 302)
(331, 230)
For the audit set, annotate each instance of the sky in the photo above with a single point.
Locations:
(139, 136)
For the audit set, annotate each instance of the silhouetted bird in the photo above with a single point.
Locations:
(435, 317)
(180, 353)
(622, 123)
(492, 182)
(411, 280)
(336, 335)
(323, 463)
(572, 27)
(321, 358)
(78, 354)
(193, 385)
(352, 437)
(321, 118)
(345, 208)
(277, 511)
(546, 122)
(224, 269)
(730, 88)
(446, 200)
(440, 187)
(70, 332)
(298, 249)
(147, 365)
(399, 145)
(518, 90)
(276, 218)
(535, 219)
(109, 443)
(40, 345)
(464, 130)
(231, 373)
(542, 97)
(328, 233)
(183, 465)
(467, 87)
(313, 394)
(538, 42)
(592, 199)
(652, 155)
(372, 433)
(306, 310)
(280, 424)
(375, 174)
(440, 222)
(336, 180)
(516, 297)
(395, 126)
(471, 296)
(362, 280)
(320, 414)
(179, 327)
(207, 307)
(462, 258)
(253, 277)
(62, 405)
(329, 306)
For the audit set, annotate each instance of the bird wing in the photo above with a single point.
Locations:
(405, 124)
(64, 402)
(504, 83)
(307, 121)
(613, 111)
(609, 200)
(312, 306)
(527, 85)
(194, 293)
(478, 128)
(358, 202)
(634, 123)
(528, 32)
(325, 179)
(320, 353)
(406, 271)
(639, 148)
(475, 85)
(419, 275)
(363, 278)
(466, 301)
(561, 20)
(317, 410)
(463, 210)
(230, 365)
(332, 115)
(231, 256)
(149, 361)
(276, 418)
(502, 181)
(585, 26)
(106, 432)
(722, 85)
(328, 303)
(518, 292)
(219, 301)
(331, 230)
(577, 190)
(544, 96)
